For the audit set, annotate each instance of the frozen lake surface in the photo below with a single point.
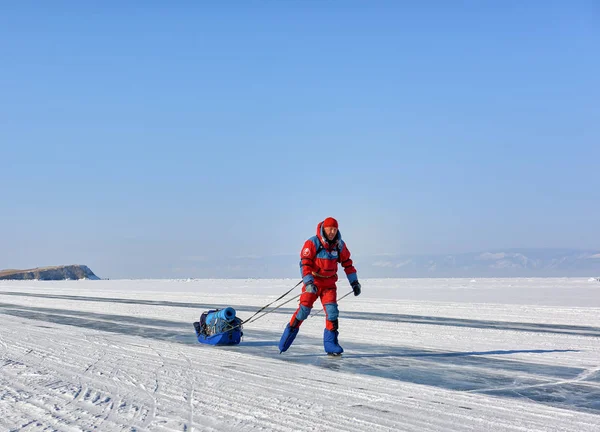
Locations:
(420, 355)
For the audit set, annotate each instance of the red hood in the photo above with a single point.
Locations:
(323, 239)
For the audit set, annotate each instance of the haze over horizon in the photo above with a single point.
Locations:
(523, 263)
(187, 140)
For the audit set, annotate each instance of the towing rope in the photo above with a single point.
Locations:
(253, 319)
(272, 310)
(266, 306)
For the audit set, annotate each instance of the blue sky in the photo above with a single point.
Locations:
(146, 138)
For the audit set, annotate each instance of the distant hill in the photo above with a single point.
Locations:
(498, 263)
(50, 273)
(486, 263)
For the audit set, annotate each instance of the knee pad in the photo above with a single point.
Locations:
(332, 311)
(303, 313)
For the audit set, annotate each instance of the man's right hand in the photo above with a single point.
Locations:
(310, 288)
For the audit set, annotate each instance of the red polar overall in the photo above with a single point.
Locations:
(319, 260)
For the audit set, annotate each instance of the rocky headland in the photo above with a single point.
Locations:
(67, 272)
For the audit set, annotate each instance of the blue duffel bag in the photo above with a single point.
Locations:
(219, 327)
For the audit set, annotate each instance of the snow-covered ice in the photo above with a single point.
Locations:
(420, 355)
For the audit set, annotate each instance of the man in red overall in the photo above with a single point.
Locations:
(319, 260)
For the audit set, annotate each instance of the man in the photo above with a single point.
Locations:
(319, 260)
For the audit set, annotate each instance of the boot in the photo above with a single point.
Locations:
(330, 342)
(288, 336)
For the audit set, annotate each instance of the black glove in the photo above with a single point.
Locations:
(356, 287)
(310, 288)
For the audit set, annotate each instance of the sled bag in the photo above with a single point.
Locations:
(219, 327)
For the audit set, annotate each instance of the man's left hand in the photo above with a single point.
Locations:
(356, 287)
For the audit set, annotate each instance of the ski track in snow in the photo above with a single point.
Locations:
(122, 356)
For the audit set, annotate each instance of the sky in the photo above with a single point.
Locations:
(147, 138)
